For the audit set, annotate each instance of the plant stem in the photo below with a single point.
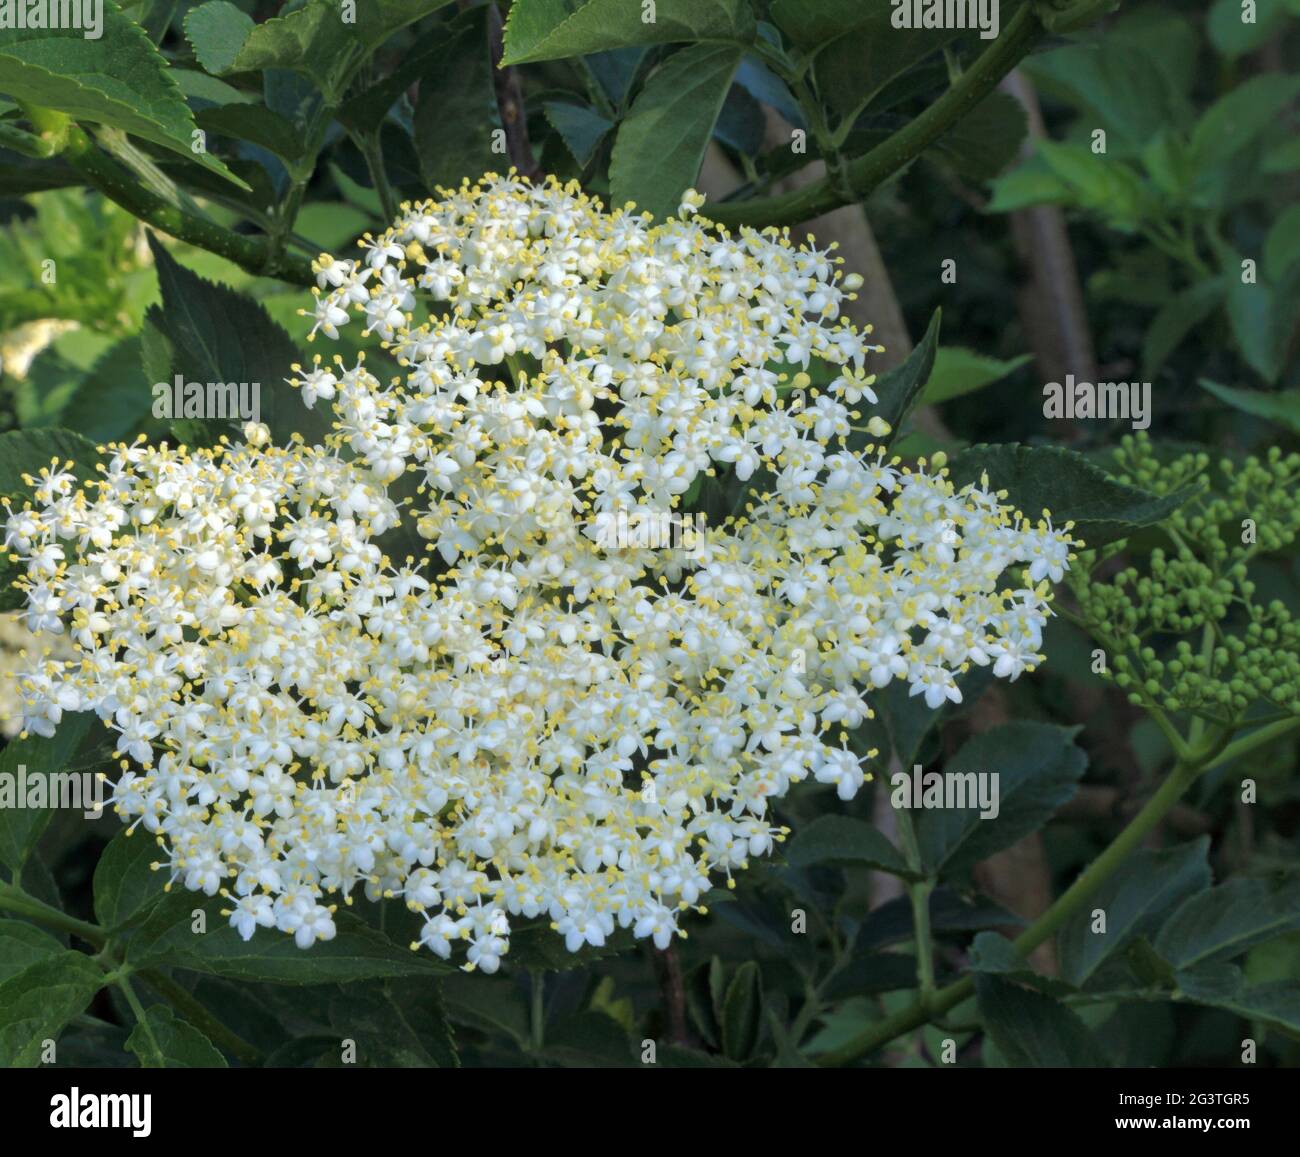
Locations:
(200, 1017)
(537, 1017)
(13, 899)
(118, 184)
(918, 892)
(864, 174)
(137, 1010)
(368, 144)
(883, 1031)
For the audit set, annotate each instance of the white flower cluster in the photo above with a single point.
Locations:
(528, 722)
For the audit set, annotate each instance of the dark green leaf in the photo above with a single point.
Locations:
(124, 883)
(457, 112)
(169, 1043)
(1135, 899)
(898, 390)
(357, 952)
(1035, 767)
(581, 127)
(21, 827)
(995, 955)
(1038, 478)
(742, 1012)
(660, 144)
(836, 838)
(551, 29)
(1032, 1030)
(37, 1002)
(1221, 923)
(1176, 319)
(22, 945)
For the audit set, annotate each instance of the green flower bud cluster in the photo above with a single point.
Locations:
(1237, 651)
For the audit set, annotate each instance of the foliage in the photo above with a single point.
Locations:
(255, 136)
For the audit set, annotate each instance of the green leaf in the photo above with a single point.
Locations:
(959, 371)
(1029, 183)
(111, 401)
(457, 111)
(357, 952)
(217, 31)
(489, 1004)
(1221, 923)
(993, 954)
(30, 451)
(1032, 1030)
(812, 22)
(854, 67)
(1262, 319)
(314, 39)
(1175, 320)
(660, 144)
(1099, 184)
(256, 124)
(125, 885)
(21, 827)
(581, 128)
(551, 29)
(1035, 768)
(986, 140)
(1281, 406)
(396, 1023)
(1067, 484)
(37, 1002)
(836, 838)
(1276, 1003)
(214, 334)
(1282, 245)
(742, 1012)
(898, 390)
(22, 945)
(1147, 885)
(120, 80)
(1234, 36)
(162, 1041)
(1237, 120)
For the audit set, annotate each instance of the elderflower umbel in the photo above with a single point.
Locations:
(530, 722)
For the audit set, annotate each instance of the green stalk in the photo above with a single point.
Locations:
(15, 900)
(914, 1016)
(116, 182)
(864, 174)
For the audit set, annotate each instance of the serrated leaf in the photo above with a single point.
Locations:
(315, 39)
(170, 1043)
(120, 80)
(214, 334)
(1276, 1003)
(1143, 890)
(457, 110)
(1221, 923)
(661, 142)
(1032, 1030)
(125, 885)
(838, 839)
(1038, 478)
(995, 955)
(551, 29)
(581, 127)
(950, 914)
(357, 952)
(22, 945)
(987, 139)
(1037, 767)
(1235, 121)
(30, 451)
(37, 1002)
(489, 1004)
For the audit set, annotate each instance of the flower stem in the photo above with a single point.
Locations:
(864, 174)
(1069, 902)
